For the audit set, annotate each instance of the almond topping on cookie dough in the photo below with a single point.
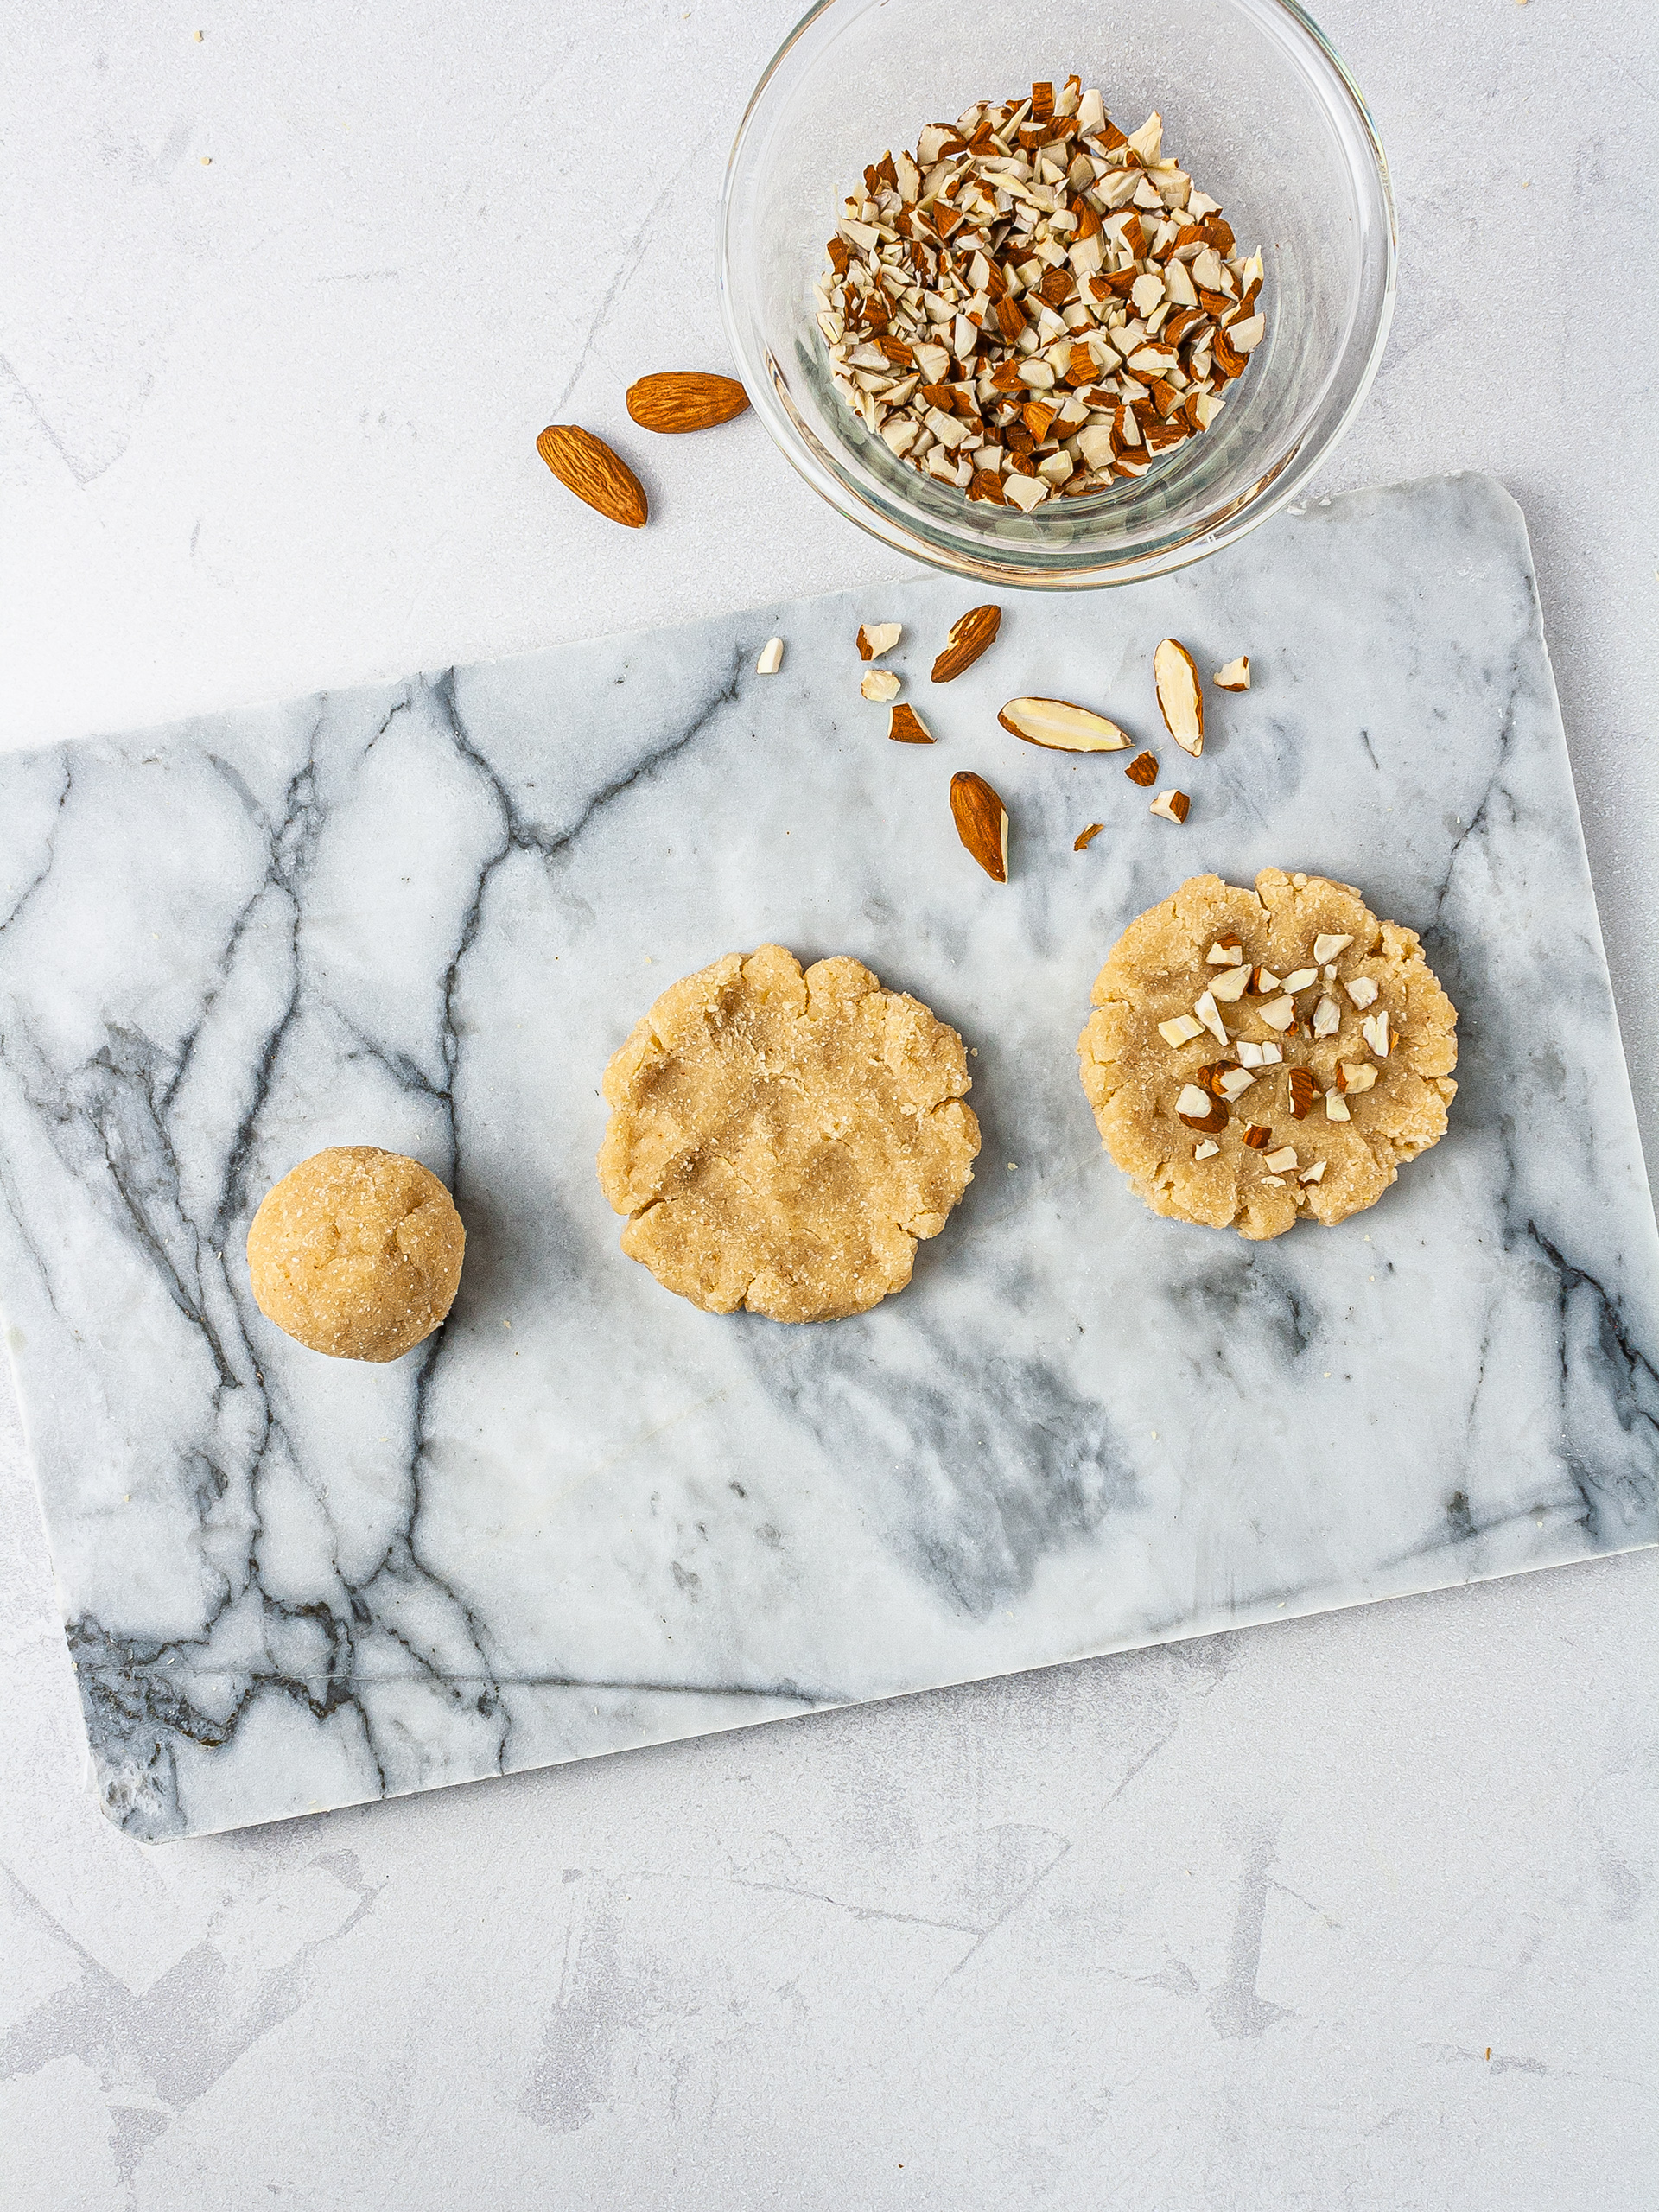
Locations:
(1143, 769)
(1361, 991)
(1356, 1075)
(1279, 1013)
(1179, 1030)
(1303, 980)
(1175, 678)
(1258, 1056)
(1230, 985)
(1174, 806)
(1282, 1162)
(1264, 984)
(1226, 952)
(875, 639)
(771, 657)
(1375, 1031)
(1301, 1093)
(1257, 1138)
(1236, 676)
(1336, 1107)
(1327, 948)
(1313, 1174)
(1209, 1016)
(1327, 1018)
(1086, 837)
(1207, 1150)
(1233, 1082)
(981, 822)
(1199, 1110)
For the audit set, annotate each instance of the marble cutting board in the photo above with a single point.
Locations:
(587, 1517)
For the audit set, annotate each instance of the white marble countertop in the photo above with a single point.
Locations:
(1232, 1923)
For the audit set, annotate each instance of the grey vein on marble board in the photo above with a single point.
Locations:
(585, 1516)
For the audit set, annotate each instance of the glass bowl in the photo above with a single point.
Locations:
(1255, 103)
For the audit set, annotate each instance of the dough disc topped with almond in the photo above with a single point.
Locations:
(781, 1140)
(1256, 1056)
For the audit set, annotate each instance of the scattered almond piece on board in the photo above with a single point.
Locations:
(908, 727)
(585, 466)
(1236, 676)
(875, 639)
(771, 657)
(1172, 806)
(1062, 728)
(880, 684)
(971, 634)
(981, 822)
(1175, 676)
(1143, 769)
(1088, 837)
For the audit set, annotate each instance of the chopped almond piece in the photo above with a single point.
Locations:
(1236, 676)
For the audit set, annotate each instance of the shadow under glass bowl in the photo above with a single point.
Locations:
(1255, 104)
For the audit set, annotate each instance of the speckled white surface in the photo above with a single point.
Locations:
(1234, 1923)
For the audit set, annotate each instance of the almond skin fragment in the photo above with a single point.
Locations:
(981, 822)
(1143, 770)
(908, 727)
(685, 399)
(1236, 676)
(971, 634)
(1301, 1093)
(1088, 837)
(585, 466)
(1257, 1138)
(1180, 701)
(1062, 728)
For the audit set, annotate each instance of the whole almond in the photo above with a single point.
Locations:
(585, 466)
(685, 399)
(981, 822)
(971, 634)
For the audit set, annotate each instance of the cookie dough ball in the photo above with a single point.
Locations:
(356, 1252)
(781, 1140)
(1260, 1056)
